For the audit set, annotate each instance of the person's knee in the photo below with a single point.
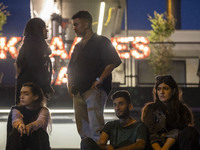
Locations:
(190, 132)
(40, 134)
(188, 139)
(88, 144)
(14, 133)
(39, 131)
(40, 139)
(86, 141)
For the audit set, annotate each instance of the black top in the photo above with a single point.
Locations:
(88, 62)
(163, 122)
(34, 60)
(28, 116)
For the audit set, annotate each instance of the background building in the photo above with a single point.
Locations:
(122, 18)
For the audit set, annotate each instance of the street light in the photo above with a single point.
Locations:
(101, 16)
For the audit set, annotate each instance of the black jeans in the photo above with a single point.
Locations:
(188, 139)
(38, 140)
(89, 144)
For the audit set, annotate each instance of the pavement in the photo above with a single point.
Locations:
(64, 135)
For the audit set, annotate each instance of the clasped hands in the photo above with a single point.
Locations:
(27, 129)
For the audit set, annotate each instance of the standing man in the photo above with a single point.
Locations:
(89, 76)
(123, 134)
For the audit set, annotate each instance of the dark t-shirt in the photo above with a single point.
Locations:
(88, 62)
(120, 136)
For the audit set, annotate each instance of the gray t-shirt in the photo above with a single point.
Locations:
(120, 136)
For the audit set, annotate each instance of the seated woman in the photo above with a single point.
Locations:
(170, 122)
(28, 121)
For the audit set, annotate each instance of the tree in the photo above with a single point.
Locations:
(161, 55)
(3, 16)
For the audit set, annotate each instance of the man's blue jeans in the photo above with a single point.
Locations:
(89, 108)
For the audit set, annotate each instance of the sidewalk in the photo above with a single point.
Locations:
(64, 135)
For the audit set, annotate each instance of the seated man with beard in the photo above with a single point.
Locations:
(123, 134)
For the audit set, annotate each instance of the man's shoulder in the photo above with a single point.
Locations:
(140, 124)
(100, 37)
(112, 124)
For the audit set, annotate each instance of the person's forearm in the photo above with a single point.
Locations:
(156, 146)
(168, 144)
(69, 88)
(43, 119)
(16, 118)
(102, 146)
(69, 85)
(134, 146)
(107, 71)
(130, 147)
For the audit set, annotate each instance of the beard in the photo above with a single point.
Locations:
(123, 114)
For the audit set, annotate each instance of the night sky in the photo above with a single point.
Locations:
(138, 11)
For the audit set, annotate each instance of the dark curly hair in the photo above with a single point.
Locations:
(122, 93)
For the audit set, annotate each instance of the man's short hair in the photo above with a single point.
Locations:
(122, 93)
(83, 15)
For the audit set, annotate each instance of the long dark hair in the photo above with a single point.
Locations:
(175, 107)
(33, 42)
(34, 27)
(169, 80)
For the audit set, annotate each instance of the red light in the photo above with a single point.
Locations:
(10, 46)
(58, 48)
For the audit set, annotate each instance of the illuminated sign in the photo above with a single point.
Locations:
(137, 50)
(126, 47)
(62, 76)
(10, 46)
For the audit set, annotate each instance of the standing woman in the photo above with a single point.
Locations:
(170, 122)
(33, 63)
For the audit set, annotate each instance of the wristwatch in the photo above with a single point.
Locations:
(98, 79)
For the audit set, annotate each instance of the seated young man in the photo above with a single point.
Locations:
(123, 134)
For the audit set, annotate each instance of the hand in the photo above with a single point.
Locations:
(31, 127)
(157, 149)
(70, 91)
(110, 147)
(21, 129)
(164, 148)
(49, 91)
(156, 146)
(97, 83)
